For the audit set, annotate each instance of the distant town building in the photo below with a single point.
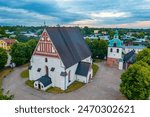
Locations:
(60, 58)
(96, 31)
(6, 43)
(104, 37)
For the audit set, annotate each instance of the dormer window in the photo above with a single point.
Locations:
(52, 69)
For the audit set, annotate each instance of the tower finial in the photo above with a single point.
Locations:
(44, 24)
(116, 35)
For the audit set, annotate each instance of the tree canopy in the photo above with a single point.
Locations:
(144, 56)
(136, 81)
(98, 48)
(3, 58)
(21, 52)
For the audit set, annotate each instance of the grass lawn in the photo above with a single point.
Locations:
(25, 74)
(3, 74)
(30, 83)
(55, 90)
(95, 68)
(74, 86)
(97, 60)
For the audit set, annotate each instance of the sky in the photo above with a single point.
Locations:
(92, 13)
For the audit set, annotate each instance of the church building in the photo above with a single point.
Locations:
(60, 58)
(119, 55)
(114, 50)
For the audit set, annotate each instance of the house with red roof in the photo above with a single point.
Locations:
(6, 43)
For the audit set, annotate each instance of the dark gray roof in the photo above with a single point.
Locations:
(45, 80)
(69, 44)
(130, 57)
(83, 68)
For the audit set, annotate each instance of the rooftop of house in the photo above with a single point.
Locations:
(130, 57)
(45, 80)
(83, 68)
(69, 44)
(134, 47)
(9, 41)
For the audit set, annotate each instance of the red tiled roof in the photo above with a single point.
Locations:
(9, 41)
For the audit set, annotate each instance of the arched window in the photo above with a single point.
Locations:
(115, 45)
(111, 49)
(117, 50)
(46, 70)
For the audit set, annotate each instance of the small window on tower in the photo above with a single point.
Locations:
(117, 50)
(111, 50)
(46, 60)
(115, 45)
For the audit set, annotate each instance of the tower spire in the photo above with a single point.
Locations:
(116, 35)
(44, 24)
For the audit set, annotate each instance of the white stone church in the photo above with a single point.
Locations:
(60, 58)
(120, 55)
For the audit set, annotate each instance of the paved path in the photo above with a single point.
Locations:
(105, 85)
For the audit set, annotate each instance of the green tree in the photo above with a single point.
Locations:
(5, 96)
(141, 35)
(135, 82)
(144, 55)
(22, 52)
(98, 48)
(111, 33)
(3, 58)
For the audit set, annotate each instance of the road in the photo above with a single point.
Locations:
(104, 86)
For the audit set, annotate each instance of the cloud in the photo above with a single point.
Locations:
(71, 12)
(110, 14)
(26, 13)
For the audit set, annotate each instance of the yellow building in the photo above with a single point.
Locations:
(6, 43)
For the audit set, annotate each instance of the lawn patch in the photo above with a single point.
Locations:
(95, 69)
(30, 83)
(74, 86)
(54, 90)
(25, 74)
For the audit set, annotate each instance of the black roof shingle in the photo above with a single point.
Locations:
(69, 44)
(130, 57)
(45, 80)
(83, 68)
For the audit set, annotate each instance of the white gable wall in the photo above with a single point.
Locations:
(88, 60)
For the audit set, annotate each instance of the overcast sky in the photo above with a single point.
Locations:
(95, 13)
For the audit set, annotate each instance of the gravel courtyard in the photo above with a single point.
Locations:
(104, 86)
